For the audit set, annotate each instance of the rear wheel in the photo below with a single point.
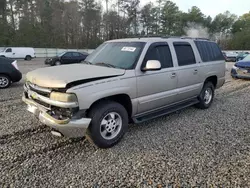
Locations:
(109, 124)
(206, 96)
(28, 58)
(4, 81)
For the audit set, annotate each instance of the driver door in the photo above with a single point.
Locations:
(9, 53)
(67, 58)
(157, 88)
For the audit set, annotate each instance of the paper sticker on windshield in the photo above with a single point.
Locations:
(128, 49)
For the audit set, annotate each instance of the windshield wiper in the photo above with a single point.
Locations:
(106, 64)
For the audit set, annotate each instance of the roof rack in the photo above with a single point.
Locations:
(166, 36)
(194, 38)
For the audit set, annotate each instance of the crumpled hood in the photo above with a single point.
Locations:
(243, 64)
(60, 76)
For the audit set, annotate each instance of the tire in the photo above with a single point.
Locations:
(103, 112)
(5, 81)
(57, 63)
(28, 58)
(206, 101)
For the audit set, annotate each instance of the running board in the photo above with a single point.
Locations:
(165, 111)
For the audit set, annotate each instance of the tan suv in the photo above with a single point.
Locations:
(125, 81)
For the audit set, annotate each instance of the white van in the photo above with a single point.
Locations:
(18, 53)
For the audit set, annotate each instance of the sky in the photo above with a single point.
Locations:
(212, 7)
(208, 7)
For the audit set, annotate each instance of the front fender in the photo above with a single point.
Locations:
(90, 93)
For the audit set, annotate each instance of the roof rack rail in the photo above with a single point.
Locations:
(202, 38)
(145, 36)
(167, 36)
(194, 38)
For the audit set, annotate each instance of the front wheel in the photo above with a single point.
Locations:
(206, 96)
(57, 63)
(109, 124)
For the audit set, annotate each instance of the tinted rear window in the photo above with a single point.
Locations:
(185, 53)
(209, 51)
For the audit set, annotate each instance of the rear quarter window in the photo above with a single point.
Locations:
(209, 51)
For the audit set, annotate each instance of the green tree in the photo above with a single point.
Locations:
(223, 22)
(170, 18)
(196, 16)
(147, 18)
(131, 9)
(242, 23)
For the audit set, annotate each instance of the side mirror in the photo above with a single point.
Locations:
(152, 65)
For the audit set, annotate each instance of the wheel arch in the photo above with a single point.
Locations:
(6, 74)
(122, 99)
(213, 79)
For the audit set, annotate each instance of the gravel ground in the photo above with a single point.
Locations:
(189, 148)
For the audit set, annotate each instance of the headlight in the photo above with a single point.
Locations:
(63, 97)
(234, 67)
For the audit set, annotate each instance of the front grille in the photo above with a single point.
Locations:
(41, 91)
(42, 103)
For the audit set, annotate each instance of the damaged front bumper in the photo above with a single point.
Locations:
(241, 73)
(72, 128)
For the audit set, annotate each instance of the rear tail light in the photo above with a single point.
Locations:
(14, 64)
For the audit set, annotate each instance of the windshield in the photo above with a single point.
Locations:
(122, 55)
(61, 54)
(247, 58)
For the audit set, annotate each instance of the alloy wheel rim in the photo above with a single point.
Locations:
(111, 125)
(3, 82)
(208, 95)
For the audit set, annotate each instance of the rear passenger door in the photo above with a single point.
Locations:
(76, 57)
(157, 88)
(9, 53)
(189, 81)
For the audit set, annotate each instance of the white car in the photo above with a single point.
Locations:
(18, 53)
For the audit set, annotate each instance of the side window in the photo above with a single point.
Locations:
(185, 54)
(9, 50)
(75, 54)
(68, 54)
(209, 51)
(161, 53)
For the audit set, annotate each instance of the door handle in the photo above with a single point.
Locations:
(195, 71)
(173, 75)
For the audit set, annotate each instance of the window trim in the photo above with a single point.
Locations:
(153, 45)
(8, 49)
(184, 44)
